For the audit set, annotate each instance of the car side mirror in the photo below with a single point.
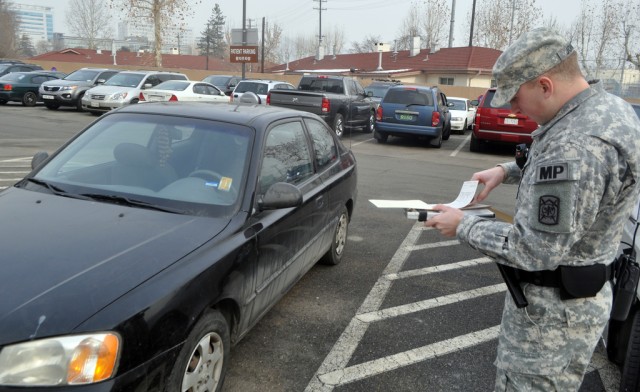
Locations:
(369, 93)
(100, 81)
(450, 104)
(280, 195)
(38, 158)
(475, 102)
(147, 85)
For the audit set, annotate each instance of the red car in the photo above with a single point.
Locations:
(499, 124)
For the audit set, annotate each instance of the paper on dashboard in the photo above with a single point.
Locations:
(465, 197)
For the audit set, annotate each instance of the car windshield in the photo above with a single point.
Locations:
(378, 91)
(408, 96)
(173, 85)
(14, 77)
(458, 104)
(124, 80)
(217, 80)
(82, 75)
(254, 87)
(3, 67)
(190, 165)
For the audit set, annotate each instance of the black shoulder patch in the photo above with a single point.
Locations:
(549, 210)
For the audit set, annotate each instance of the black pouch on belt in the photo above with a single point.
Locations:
(583, 281)
(624, 290)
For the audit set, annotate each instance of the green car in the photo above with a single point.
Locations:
(23, 86)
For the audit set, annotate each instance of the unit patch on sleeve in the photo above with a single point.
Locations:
(549, 210)
(554, 172)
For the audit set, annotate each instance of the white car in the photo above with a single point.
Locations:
(183, 90)
(260, 87)
(462, 113)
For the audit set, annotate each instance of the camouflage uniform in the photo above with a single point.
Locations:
(575, 193)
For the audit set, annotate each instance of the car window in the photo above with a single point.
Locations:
(408, 96)
(324, 145)
(153, 80)
(125, 80)
(107, 75)
(489, 97)
(200, 89)
(286, 156)
(458, 104)
(82, 75)
(173, 85)
(40, 79)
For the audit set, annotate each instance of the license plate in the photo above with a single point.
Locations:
(511, 121)
(405, 117)
(47, 97)
(94, 104)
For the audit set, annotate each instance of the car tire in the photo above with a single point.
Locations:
(135, 100)
(475, 145)
(371, 122)
(464, 127)
(446, 132)
(29, 99)
(630, 380)
(204, 359)
(3, 102)
(79, 103)
(339, 240)
(338, 125)
(436, 141)
(51, 105)
(380, 137)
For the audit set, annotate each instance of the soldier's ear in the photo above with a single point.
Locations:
(546, 85)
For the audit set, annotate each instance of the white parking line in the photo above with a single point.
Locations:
(440, 268)
(364, 141)
(457, 150)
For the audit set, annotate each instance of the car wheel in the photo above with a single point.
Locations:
(3, 102)
(464, 127)
(475, 145)
(380, 137)
(370, 123)
(79, 103)
(51, 105)
(446, 132)
(203, 361)
(334, 255)
(134, 100)
(436, 141)
(631, 369)
(338, 125)
(29, 99)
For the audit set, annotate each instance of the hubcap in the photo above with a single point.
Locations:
(205, 365)
(341, 234)
(339, 129)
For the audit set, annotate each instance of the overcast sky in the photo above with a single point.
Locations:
(356, 18)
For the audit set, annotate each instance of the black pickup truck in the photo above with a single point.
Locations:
(340, 101)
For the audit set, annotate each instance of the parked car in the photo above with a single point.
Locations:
(339, 100)
(413, 111)
(226, 83)
(139, 252)
(623, 336)
(69, 90)
(260, 87)
(124, 89)
(23, 86)
(17, 66)
(499, 125)
(463, 113)
(183, 90)
(378, 88)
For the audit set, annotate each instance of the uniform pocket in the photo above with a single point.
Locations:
(554, 188)
(533, 363)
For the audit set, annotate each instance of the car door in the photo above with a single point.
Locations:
(360, 105)
(290, 238)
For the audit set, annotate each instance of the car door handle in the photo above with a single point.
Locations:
(320, 201)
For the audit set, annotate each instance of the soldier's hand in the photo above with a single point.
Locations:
(446, 221)
(490, 178)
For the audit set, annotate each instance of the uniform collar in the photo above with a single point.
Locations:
(595, 87)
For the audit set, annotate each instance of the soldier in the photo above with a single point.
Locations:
(575, 192)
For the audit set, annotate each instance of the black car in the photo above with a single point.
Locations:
(138, 253)
(23, 86)
(226, 83)
(17, 66)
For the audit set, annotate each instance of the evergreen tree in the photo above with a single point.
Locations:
(212, 42)
(25, 47)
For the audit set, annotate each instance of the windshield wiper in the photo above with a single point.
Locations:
(131, 202)
(55, 189)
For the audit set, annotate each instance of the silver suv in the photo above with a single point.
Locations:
(124, 88)
(69, 90)
(260, 87)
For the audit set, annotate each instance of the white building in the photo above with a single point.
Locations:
(175, 39)
(34, 21)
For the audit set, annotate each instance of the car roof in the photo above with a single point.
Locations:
(263, 81)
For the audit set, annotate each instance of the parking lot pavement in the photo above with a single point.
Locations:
(414, 298)
(12, 170)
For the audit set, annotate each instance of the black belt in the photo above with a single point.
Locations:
(552, 278)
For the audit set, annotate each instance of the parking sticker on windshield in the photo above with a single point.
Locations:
(225, 183)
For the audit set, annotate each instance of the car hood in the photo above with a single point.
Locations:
(65, 259)
(62, 82)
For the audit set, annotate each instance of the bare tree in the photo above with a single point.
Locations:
(159, 13)
(272, 38)
(410, 28)
(89, 19)
(595, 35)
(334, 40)
(499, 22)
(8, 30)
(367, 45)
(434, 22)
(630, 27)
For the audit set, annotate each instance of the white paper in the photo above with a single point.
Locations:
(466, 195)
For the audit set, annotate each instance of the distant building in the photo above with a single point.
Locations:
(176, 39)
(34, 21)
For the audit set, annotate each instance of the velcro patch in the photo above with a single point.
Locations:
(549, 210)
(552, 172)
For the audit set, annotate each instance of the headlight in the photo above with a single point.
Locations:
(119, 96)
(69, 360)
(457, 118)
(65, 88)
